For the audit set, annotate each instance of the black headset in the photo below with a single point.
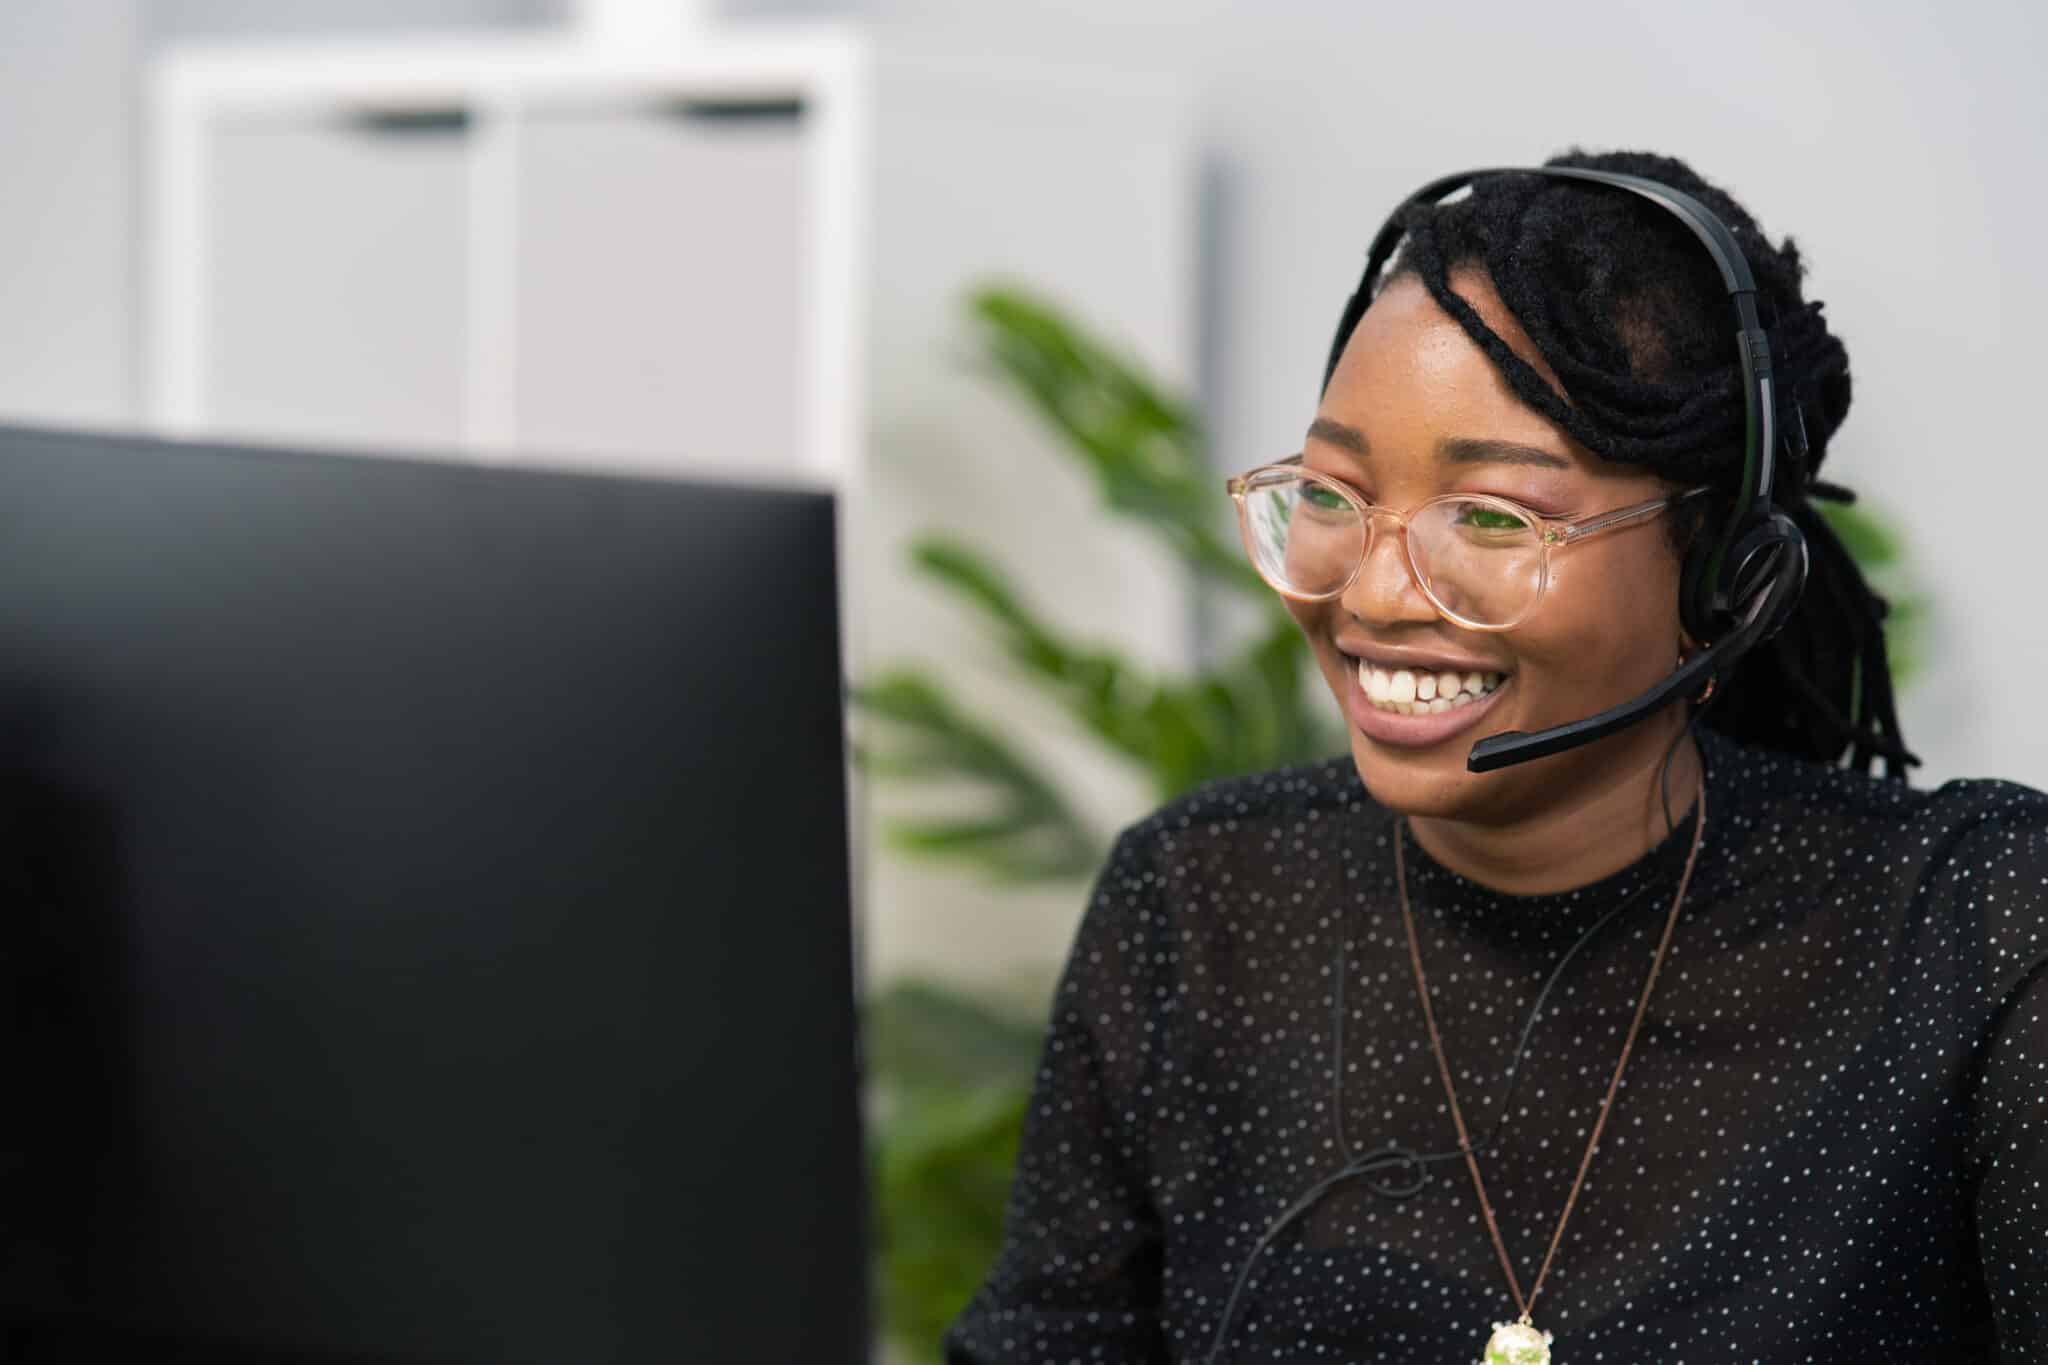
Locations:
(1737, 588)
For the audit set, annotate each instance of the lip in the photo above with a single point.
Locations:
(1417, 661)
(1414, 732)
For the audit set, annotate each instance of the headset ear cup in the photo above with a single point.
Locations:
(1784, 571)
(1695, 593)
(1766, 559)
(1765, 573)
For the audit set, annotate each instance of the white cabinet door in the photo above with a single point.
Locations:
(338, 256)
(661, 286)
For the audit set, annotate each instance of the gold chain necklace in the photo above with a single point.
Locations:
(1519, 1342)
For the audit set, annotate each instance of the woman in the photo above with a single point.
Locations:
(1815, 996)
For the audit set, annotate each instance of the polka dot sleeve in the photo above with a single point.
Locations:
(2001, 880)
(2011, 1199)
(1078, 1277)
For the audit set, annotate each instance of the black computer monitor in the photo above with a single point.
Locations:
(424, 893)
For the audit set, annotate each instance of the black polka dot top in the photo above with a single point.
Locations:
(1830, 1144)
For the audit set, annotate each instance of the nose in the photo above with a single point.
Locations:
(1384, 591)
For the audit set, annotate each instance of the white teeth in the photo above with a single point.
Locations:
(1410, 693)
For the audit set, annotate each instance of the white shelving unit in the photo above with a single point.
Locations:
(732, 250)
(387, 241)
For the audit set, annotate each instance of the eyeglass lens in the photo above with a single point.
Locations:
(1476, 560)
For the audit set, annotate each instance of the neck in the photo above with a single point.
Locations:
(1606, 825)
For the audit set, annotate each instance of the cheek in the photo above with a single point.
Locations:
(1610, 615)
(1309, 617)
(1313, 620)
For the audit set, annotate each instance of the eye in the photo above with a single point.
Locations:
(1321, 498)
(1483, 516)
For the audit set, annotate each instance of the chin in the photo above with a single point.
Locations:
(1433, 784)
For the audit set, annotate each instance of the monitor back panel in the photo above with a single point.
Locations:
(426, 909)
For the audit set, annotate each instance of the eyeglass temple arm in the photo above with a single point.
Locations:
(1610, 520)
(1238, 484)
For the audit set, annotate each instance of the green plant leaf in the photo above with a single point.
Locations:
(1905, 628)
(1864, 533)
(922, 1036)
(1874, 542)
(1143, 446)
(950, 1078)
(1027, 833)
(1245, 716)
(942, 1175)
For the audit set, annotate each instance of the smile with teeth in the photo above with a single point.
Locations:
(1414, 693)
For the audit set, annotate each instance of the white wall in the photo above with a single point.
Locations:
(69, 176)
(172, 19)
(67, 233)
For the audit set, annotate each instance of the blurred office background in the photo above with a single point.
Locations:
(252, 217)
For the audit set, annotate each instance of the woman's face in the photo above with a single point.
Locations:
(1407, 409)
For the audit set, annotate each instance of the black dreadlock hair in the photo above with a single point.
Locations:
(1629, 309)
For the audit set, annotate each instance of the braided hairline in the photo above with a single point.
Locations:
(1636, 394)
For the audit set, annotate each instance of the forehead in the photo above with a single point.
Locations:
(1409, 372)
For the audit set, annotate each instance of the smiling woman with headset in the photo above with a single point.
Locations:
(1599, 1002)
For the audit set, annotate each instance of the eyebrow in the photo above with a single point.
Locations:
(1452, 449)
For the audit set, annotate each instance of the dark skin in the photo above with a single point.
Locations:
(1606, 628)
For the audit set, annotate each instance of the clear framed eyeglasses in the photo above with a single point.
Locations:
(1481, 560)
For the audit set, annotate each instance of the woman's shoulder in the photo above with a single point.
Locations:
(1763, 784)
(1969, 853)
(1881, 832)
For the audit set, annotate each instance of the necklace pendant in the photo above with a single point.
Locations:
(1517, 1343)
